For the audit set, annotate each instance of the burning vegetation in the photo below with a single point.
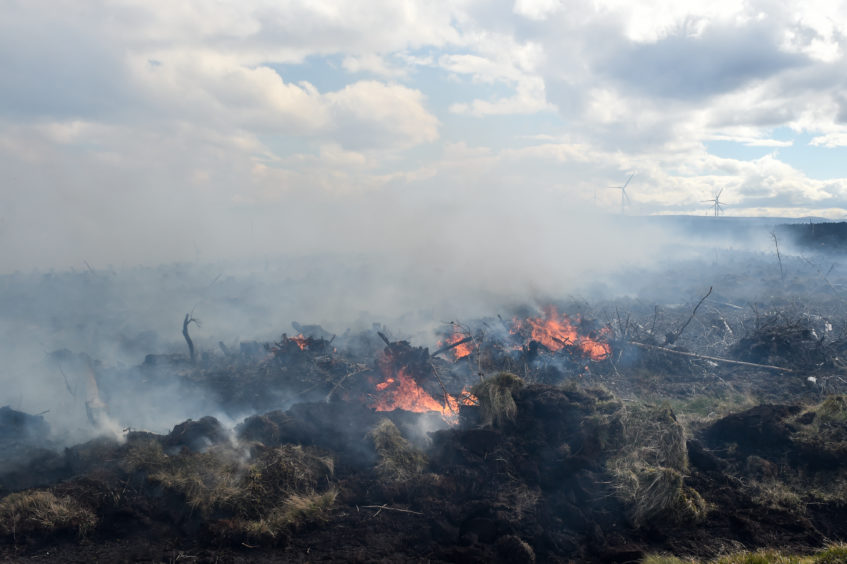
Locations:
(532, 436)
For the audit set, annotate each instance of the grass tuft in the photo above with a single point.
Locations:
(495, 398)
(649, 466)
(39, 511)
(398, 459)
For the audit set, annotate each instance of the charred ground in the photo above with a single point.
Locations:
(576, 431)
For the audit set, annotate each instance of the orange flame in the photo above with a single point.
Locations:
(459, 351)
(300, 341)
(402, 392)
(555, 331)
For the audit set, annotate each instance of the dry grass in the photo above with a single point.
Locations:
(775, 494)
(649, 466)
(39, 511)
(827, 422)
(398, 459)
(297, 511)
(834, 554)
(276, 489)
(495, 398)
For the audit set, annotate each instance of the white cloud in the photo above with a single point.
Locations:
(110, 107)
(370, 113)
(529, 98)
(374, 64)
(537, 9)
(830, 140)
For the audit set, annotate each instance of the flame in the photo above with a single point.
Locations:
(459, 351)
(402, 392)
(300, 341)
(555, 331)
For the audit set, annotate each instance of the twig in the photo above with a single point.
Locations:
(67, 384)
(712, 358)
(655, 315)
(443, 389)
(823, 276)
(337, 384)
(778, 257)
(672, 337)
(384, 506)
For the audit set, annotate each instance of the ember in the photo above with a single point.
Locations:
(556, 331)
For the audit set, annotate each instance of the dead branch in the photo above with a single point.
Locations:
(385, 507)
(185, 323)
(446, 348)
(824, 276)
(443, 389)
(384, 338)
(778, 257)
(67, 384)
(361, 368)
(712, 358)
(672, 337)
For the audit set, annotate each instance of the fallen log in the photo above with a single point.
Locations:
(712, 358)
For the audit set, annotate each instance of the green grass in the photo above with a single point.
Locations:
(834, 554)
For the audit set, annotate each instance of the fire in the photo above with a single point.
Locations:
(300, 341)
(556, 331)
(459, 351)
(402, 392)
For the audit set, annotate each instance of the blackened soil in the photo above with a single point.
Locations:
(536, 488)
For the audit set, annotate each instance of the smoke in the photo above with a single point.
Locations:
(411, 259)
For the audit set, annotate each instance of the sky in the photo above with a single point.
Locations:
(152, 131)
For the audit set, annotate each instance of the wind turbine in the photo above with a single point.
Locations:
(716, 202)
(624, 196)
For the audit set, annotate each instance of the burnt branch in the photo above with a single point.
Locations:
(185, 323)
(778, 256)
(672, 337)
(712, 358)
(446, 348)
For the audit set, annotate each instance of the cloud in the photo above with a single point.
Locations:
(830, 140)
(537, 9)
(370, 113)
(145, 124)
(721, 59)
(529, 98)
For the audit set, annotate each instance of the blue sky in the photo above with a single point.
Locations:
(128, 128)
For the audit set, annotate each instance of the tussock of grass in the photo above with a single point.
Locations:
(297, 511)
(824, 424)
(278, 488)
(209, 480)
(649, 466)
(495, 398)
(835, 554)
(38, 511)
(775, 494)
(398, 459)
